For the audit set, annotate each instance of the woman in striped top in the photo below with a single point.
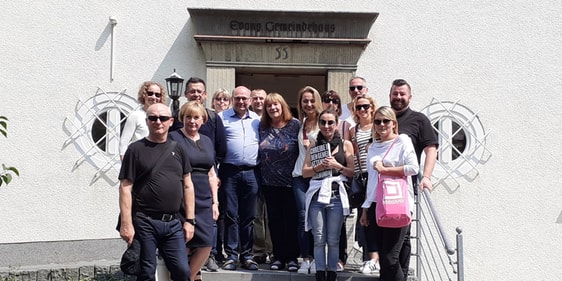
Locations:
(364, 107)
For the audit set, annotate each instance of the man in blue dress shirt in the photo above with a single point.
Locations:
(239, 180)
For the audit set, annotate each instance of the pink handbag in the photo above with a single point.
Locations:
(393, 208)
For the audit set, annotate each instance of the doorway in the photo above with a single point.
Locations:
(286, 84)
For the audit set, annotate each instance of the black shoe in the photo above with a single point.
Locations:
(292, 266)
(229, 265)
(211, 264)
(260, 260)
(250, 265)
(277, 265)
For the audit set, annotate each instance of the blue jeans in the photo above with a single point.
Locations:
(326, 221)
(169, 238)
(300, 186)
(239, 200)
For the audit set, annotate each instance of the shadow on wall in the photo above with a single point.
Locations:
(185, 56)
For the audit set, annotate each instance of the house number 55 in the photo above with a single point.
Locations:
(282, 53)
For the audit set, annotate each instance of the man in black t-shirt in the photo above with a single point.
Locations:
(418, 127)
(150, 199)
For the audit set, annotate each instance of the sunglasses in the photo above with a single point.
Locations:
(150, 94)
(241, 98)
(161, 118)
(362, 106)
(381, 121)
(329, 122)
(359, 88)
(222, 99)
(330, 100)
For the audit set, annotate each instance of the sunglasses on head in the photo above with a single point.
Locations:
(150, 94)
(330, 100)
(362, 106)
(381, 121)
(359, 88)
(161, 118)
(329, 122)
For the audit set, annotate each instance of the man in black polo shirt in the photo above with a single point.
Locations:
(150, 198)
(418, 127)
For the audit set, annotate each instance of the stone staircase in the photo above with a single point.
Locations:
(109, 271)
(19, 263)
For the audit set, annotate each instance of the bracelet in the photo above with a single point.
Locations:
(427, 178)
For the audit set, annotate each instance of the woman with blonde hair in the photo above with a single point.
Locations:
(221, 100)
(364, 107)
(205, 181)
(390, 154)
(135, 128)
(308, 107)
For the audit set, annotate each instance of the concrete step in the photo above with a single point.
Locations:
(109, 271)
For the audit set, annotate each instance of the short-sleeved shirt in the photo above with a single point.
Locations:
(417, 126)
(163, 193)
(278, 153)
(241, 137)
(213, 128)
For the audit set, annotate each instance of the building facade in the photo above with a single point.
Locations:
(487, 74)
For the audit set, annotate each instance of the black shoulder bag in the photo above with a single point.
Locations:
(357, 192)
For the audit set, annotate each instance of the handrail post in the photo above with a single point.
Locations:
(460, 254)
(418, 235)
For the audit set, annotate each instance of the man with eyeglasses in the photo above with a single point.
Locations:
(418, 127)
(158, 173)
(239, 177)
(357, 86)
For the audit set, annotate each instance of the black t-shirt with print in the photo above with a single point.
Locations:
(163, 193)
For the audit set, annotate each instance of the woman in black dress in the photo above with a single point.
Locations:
(200, 150)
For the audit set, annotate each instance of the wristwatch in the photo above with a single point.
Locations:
(191, 221)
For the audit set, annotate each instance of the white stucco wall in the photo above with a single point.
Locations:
(500, 59)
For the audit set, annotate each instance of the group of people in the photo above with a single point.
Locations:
(242, 184)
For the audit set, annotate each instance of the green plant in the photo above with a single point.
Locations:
(6, 171)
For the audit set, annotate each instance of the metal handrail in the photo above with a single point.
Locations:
(435, 252)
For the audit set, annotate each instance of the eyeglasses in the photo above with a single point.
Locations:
(330, 100)
(329, 122)
(222, 99)
(150, 94)
(359, 88)
(380, 121)
(362, 106)
(161, 118)
(241, 98)
(195, 91)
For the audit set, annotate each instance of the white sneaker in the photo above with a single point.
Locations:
(312, 267)
(304, 268)
(369, 267)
